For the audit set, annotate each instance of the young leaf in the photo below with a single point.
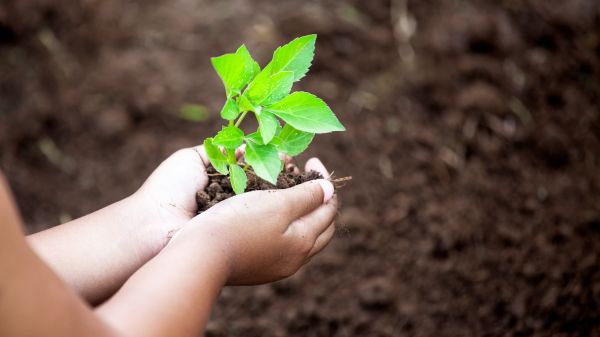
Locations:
(250, 65)
(254, 137)
(215, 156)
(268, 90)
(230, 155)
(306, 112)
(245, 104)
(230, 137)
(295, 56)
(238, 179)
(258, 89)
(280, 86)
(291, 141)
(264, 160)
(268, 124)
(230, 110)
(230, 68)
(235, 70)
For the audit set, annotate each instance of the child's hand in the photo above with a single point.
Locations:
(267, 235)
(170, 191)
(168, 197)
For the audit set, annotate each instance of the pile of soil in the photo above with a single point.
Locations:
(473, 139)
(219, 186)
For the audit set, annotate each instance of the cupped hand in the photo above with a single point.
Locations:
(172, 187)
(168, 197)
(268, 235)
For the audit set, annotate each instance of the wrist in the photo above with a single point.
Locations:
(203, 241)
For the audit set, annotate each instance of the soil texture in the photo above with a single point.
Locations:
(219, 186)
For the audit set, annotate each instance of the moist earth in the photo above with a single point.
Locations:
(219, 186)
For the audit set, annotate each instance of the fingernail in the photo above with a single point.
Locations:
(327, 188)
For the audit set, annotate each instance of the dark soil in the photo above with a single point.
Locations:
(219, 186)
(473, 140)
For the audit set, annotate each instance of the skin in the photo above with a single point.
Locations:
(166, 287)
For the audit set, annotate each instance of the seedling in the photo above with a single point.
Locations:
(266, 95)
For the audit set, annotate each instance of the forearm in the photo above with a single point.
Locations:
(95, 254)
(172, 295)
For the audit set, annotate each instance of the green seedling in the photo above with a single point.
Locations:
(287, 122)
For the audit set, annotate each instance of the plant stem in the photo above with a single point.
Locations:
(239, 121)
(231, 157)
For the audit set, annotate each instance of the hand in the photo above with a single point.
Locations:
(168, 196)
(267, 235)
(171, 188)
(121, 237)
(167, 199)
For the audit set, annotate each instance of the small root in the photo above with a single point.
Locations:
(340, 182)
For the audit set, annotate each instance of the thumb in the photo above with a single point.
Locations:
(304, 198)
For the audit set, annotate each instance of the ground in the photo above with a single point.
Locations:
(473, 140)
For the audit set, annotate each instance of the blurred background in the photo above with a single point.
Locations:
(473, 140)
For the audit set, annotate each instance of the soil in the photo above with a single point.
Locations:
(473, 139)
(219, 186)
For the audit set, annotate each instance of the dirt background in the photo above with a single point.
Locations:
(473, 139)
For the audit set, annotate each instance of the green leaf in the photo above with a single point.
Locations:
(266, 90)
(264, 160)
(231, 158)
(258, 89)
(215, 156)
(230, 68)
(306, 112)
(268, 124)
(250, 65)
(194, 112)
(254, 137)
(291, 141)
(290, 63)
(245, 104)
(230, 110)
(295, 56)
(238, 179)
(280, 86)
(230, 137)
(235, 70)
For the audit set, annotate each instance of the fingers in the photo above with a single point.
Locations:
(317, 221)
(314, 164)
(322, 241)
(202, 153)
(304, 198)
(287, 160)
(239, 152)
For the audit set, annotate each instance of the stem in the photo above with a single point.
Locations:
(231, 157)
(246, 166)
(239, 121)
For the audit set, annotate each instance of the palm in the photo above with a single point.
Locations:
(171, 188)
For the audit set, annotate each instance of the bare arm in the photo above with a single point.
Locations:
(31, 292)
(173, 293)
(96, 254)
